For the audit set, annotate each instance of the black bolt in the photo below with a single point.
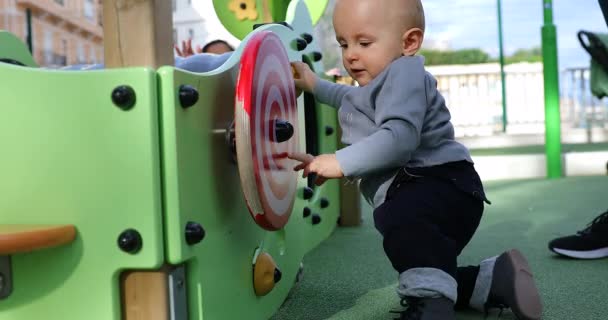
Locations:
(130, 241)
(307, 37)
(306, 212)
(123, 97)
(300, 44)
(283, 130)
(308, 193)
(188, 96)
(277, 275)
(329, 130)
(316, 219)
(194, 233)
(317, 56)
(324, 203)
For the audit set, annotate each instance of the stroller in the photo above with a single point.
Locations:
(596, 44)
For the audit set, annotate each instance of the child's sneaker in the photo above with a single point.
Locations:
(513, 287)
(427, 309)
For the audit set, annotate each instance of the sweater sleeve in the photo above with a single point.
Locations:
(401, 105)
(331, 93)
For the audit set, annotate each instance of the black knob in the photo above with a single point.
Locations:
(329, 130)
(194, 233)
(306, 212)
(316, 219)
(130, 241)
(317, 56)
(283, 130)
(307, 37)
(308, 193)
(277, 275)
(188, 96)
(324, 203)
(123, 97)
(300, 44)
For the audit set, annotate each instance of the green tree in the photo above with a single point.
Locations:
(525, 55)
(473, 56)
(463, 56)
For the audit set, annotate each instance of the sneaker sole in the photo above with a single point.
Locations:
(526, 303)
(591, 254)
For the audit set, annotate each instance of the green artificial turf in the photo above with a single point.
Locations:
(348, 277)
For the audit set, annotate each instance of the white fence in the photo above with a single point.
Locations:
(473, 94)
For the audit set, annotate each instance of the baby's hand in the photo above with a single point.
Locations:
(304, 78)
(326, 166)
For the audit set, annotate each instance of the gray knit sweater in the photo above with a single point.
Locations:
(397, 120)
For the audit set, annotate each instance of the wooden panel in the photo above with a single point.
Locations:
(145, 295)
(27, 238)
(138, 33)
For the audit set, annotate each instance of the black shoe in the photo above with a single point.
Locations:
(513, 287)
(590, 243)
(426, 309)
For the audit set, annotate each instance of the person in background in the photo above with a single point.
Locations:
(212, 47)
(217, 47)
(589, 243)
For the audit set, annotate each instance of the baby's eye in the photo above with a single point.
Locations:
(343, 45)
(365, 44)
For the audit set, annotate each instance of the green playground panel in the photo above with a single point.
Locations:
(11, 48)
(202, 185)
(70, 156)
(239, 16)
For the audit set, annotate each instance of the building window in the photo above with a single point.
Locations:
(93, 57)
(80, 53)
(89, 9)
(60, 2)
(190, 33)
(174, 5)
(48, 47)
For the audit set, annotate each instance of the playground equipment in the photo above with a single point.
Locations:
(129, 191)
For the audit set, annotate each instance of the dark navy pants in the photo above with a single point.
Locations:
(429, 215)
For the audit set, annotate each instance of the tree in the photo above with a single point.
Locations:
(525, 55)
(463, 56)
(473, 56)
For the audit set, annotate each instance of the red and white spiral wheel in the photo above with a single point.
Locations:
(266, 119)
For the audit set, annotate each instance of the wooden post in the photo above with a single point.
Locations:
(138, 33)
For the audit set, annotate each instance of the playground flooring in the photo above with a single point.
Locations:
(348, 277)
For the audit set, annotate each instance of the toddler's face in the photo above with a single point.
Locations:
(369, 41)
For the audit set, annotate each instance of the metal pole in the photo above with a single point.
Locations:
(502, 68)
(28, 21)
(551, 80)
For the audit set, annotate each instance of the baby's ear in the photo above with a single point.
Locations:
(412, 41)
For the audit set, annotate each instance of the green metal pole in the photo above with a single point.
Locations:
(551, 79)
(502, 68)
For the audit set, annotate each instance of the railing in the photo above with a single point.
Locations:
(584, 110)
(473, 95)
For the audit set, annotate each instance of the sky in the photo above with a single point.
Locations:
(459, 24)
(475, 25)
